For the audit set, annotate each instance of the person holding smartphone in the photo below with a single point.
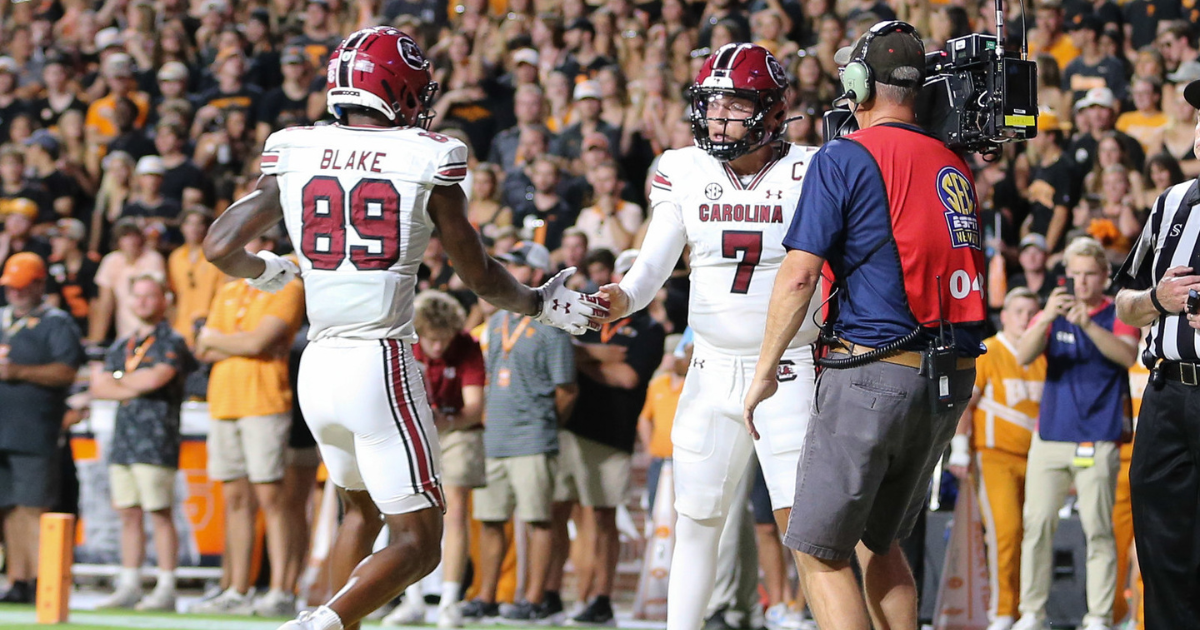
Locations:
(1083, 415)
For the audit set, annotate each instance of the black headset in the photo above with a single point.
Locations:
(858, 80)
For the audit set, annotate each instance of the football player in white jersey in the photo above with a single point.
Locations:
(731, 198)
(360, 199)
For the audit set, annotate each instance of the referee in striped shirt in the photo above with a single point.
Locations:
(1165, 472)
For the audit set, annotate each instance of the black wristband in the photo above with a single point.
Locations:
(1158, 305)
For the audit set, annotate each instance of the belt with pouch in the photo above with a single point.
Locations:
(907, 358)
(1181, 372)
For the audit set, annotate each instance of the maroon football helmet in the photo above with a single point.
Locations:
(383, 69)
(744, 71)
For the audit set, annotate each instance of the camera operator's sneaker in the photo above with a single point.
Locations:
(229, 602)
(275, 604)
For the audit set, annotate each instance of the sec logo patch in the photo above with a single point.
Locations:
(958, 197)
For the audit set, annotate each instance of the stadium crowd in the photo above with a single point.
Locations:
(127, 125)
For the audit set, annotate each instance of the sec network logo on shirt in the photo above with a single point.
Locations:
(954, 189)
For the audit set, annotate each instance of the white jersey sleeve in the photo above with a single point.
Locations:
(663, 244)
(355, 205)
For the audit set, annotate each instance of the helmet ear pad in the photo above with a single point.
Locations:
(858, 78)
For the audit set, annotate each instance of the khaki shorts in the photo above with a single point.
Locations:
(525, 483)
(464, 461)
(594, 474)
(149, 487)
(253, 447)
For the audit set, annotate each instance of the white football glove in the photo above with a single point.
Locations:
(569, 310)
(278, 272)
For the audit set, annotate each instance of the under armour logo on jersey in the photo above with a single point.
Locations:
(713, 191)
(566, 307)
(774, 194)
(699, 363)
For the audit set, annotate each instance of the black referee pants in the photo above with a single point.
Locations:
(1164, 479)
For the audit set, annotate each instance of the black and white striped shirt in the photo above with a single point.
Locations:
(1171, 238)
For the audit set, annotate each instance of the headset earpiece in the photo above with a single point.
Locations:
(857, 81)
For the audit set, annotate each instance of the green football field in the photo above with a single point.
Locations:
(24, 617)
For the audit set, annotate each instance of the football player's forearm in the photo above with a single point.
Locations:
(245, 220)
(660, 251)
(493, 283)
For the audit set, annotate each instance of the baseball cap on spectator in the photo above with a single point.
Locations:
(292, 54)
(1187, 72)
(118, 65)
(1048, 121)
(1081, 22)
(526, 55)
(324, 4)
(214, 5)
(1033, 240)
(22, 270)
(173, 71)
(1096, 97)
(69, 228)
(587, 89)
(529, 254)
(595, 140)
(150, 165)
(262, 15)
(625, 261)
(889, 51)
(9, 65)
(580, 23)
(1191, 94)
(43, 139)
(108, 38)
(27, 208)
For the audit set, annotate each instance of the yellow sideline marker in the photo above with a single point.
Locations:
(55, 556)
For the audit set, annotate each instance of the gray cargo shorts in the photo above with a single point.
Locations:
(871, 448)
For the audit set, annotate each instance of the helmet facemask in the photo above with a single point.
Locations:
(767, 105)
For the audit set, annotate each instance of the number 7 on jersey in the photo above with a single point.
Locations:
(749, 243)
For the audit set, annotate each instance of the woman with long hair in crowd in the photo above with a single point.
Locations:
(1179, 135)
(1110, 152)
(1162, 171)
(485, 210)
(116, 188)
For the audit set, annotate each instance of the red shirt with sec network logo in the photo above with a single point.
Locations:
(459, 366)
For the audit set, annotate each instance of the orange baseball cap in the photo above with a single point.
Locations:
(22, 270)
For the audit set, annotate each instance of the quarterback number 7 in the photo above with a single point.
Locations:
(749, 245)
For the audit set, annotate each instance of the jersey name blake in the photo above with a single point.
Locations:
(331, 159)
(741, 213)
